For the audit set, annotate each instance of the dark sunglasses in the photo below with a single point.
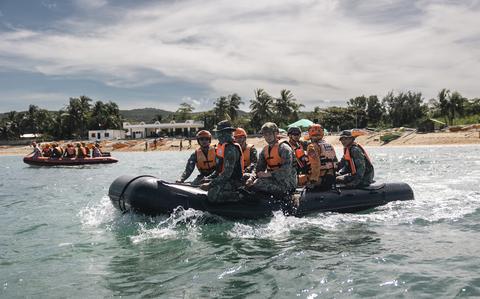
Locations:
(295, 134)
(204, 139)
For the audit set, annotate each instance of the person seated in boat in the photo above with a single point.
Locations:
(46, 150)
(275, 173)
(355, 168)
(301, 162)
(81, 151)
(203, 158)
(249, 151)
(323, 160)
(96, 152)
(57, 151)
(223, 184)
(87, 149)
(69, 151)
(37, 152)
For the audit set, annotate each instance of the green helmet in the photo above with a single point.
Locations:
(269, 127)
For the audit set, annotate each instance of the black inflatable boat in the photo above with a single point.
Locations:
(151, 196)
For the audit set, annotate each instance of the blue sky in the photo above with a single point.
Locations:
(161, 53)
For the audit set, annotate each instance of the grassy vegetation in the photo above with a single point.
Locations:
(467, 120)
(386, 138)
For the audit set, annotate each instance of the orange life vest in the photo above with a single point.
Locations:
(246, 155)
(82, 152)
(327, 156)
(322, 160)
(348, 157)
(57, 151)
(70, 151)
(206, 163)
(220, 155)
(272, 156)
(301, 157)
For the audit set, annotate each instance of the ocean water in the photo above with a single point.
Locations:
(61, 237)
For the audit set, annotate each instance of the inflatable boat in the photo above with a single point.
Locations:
(151, 196)
(46, 161)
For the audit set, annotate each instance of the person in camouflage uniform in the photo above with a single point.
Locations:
(276, 173)
(300, 158)
(224, 182)
(250, 156)
(203, 158)
(356, 169)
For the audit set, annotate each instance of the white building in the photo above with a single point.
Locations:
(143, 130)
(106, 134)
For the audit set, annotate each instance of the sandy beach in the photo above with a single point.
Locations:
(171, 144)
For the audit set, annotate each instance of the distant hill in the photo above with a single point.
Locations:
(144, 114)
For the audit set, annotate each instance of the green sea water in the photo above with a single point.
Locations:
(60, 237)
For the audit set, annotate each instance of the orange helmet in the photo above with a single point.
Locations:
(203, 134)
(315, 130)
(239, 132)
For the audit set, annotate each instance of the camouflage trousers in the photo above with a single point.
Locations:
(224, 193)
(197, 180)
(269, 185)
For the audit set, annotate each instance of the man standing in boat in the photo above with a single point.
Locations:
(203, 158)
(223, 184)
(249, 151)
(276, 173)
(356, 169)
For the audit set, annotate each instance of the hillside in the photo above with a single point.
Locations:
(148, 114)
(144, 114)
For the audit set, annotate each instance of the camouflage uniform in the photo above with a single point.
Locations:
(284, 179)
(301, 165)
(253, 161)
(224, 184)
(190, 167)
(364, 170)
(223, 187)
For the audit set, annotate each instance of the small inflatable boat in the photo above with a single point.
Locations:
(151, 196)
(46, 161)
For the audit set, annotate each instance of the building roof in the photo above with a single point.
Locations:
(170, 125)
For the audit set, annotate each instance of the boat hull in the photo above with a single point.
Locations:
(45, 161)
(151, 196)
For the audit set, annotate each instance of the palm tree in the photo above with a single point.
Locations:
(12, 128)
(234, 101)
(443, 103)
(286, 108)
(184, 111)
(221, 109)
(261, 108)
(457, 103)
(31, 119)
(78, 111)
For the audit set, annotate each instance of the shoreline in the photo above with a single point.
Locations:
(407, 139)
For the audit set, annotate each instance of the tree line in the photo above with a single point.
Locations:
(408, 109)
(72, 122)
(404, 109)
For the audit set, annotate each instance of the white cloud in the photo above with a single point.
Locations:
(311, 47)
(90, 4)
